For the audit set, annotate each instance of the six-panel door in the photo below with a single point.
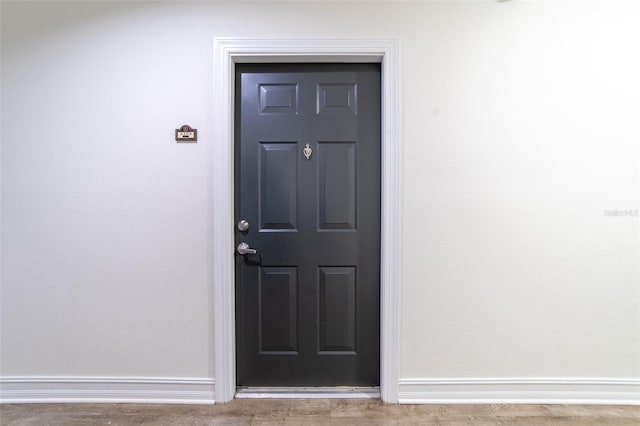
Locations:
(308, 184)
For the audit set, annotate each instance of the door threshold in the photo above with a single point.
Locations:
(342, 392)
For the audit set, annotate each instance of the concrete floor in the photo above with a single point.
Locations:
(310, 412)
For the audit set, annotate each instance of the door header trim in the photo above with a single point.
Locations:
(228, 52)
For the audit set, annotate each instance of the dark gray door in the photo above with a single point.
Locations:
(308, 185)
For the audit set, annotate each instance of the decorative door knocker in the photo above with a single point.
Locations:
(307, 151)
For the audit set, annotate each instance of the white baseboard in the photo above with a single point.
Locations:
(519, 391)
(160, 390)
(410, 391)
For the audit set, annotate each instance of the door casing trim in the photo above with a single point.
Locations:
(227, 53)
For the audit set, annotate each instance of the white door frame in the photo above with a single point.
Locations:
(228, 52)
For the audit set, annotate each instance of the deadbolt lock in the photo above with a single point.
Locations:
(243, 225)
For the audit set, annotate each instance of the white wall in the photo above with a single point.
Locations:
(521, 128)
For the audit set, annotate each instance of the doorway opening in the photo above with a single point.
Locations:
(307, 209)
(228, 53)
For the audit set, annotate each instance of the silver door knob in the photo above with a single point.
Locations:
(243, 248)
(243, 226)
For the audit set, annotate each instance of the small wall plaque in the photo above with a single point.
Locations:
(186, 134)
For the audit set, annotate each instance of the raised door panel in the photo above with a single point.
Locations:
(338, 99)
(337, 183)
(278, 186)
(337, 310)
(278, 295)
(278, 98)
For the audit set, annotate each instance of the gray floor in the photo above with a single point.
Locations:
(315, 412)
